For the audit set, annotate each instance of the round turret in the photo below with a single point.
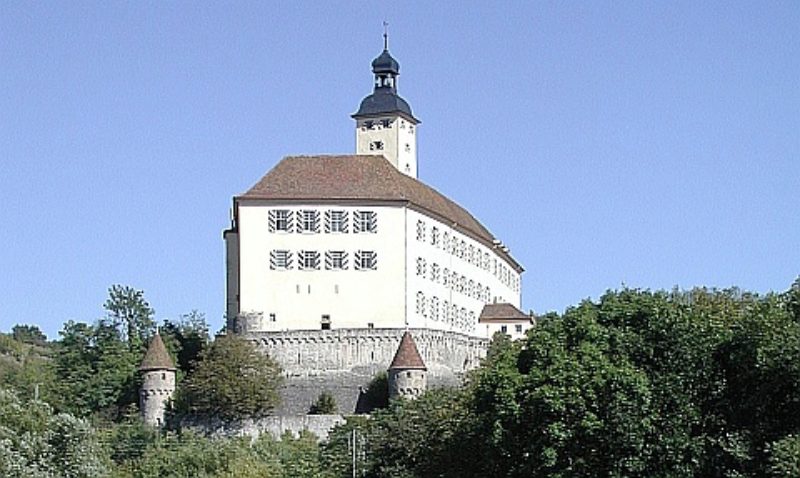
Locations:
(158, 382)
(408, 375)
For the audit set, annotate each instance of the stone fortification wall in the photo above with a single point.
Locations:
(277, 426)
(344, 361)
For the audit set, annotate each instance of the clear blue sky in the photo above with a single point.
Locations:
(647, 143)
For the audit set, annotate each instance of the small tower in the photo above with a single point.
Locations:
(408, 376)
(158, 384)
(384, 122)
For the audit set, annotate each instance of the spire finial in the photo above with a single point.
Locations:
(385, 35)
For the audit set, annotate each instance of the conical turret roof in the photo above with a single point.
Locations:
(157, 357)
(407, 356)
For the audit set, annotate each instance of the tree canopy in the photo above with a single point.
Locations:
(231, 380)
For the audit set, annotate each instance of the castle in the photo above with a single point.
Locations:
(332, 261)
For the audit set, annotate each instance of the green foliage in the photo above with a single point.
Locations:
(179, 455)
(231, 381)
(664, 384)
(784, 457)
(130, 314)
(27, 370)
(186, 338)
(96, 369)
(324, 405)
(376, 396)
(29, 334)
(34, 442)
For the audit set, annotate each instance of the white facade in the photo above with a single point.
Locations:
(423, 273)
(393, 136)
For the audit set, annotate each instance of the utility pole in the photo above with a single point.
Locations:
(354, 453)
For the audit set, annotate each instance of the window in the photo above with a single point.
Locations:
(435, 308)
(408, 148)
(272, 317)
(471, 254)
(462, 246)
(308, 260)
(369, 124)
(504, 329)
(435, 236)
(435, 272)
(326, 322)
(280, 220)
(366, 260)
(420, 231)
(518, 328)
(335, 221)
(365, 221)
(446, 277)
(376, 146)
(420, 303)
(422, 266)
(386, 123)
(280, 259)
(335, 260)
(308, 221)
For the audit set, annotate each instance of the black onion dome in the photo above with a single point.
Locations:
(382, 102)
(385, 63)
(384, 99)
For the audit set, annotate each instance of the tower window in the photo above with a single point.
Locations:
(326, 322)
(386, 123)
(408, 148)
(369, 124)
(272, 317)
(376, 146)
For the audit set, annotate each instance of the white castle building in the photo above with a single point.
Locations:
(355, 248)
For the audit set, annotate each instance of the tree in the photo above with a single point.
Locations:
(131, 314)
(96, 370)
(29, 334)
(232, 380)
(324, 405)
(34, 442)
(186, 338)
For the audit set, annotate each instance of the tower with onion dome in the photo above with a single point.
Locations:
(384, 122)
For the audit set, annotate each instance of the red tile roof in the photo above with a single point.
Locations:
(157, 357)
(502, 312)
(407, 356)
(364, 178)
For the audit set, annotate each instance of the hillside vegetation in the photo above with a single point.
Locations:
(676, 383)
